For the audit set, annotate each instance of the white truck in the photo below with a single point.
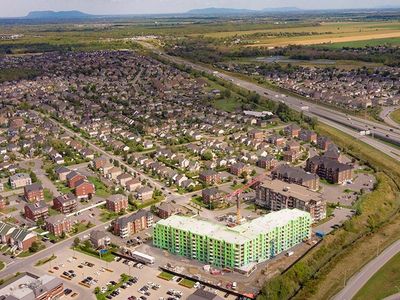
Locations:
(143, 258)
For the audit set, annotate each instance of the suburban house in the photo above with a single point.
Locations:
(267, 162)
(74, 177)
(22, 238)
(144, 193)
(239, 168)
(99, 239)
(62, 173)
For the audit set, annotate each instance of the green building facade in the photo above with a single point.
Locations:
(237, 247)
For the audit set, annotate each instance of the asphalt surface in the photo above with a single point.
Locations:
(341, 121)
(385, 115)
(360, 279)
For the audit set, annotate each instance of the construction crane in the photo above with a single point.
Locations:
(238, 192)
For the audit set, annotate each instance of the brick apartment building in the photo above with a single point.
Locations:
(36, 211)
(73, 178)
(329, 169)
(128, 225)
(239, 168)
(268, 162)
(292, 130)
(210, 177)
(276, 195)
(297, 176)
(84, 189)
(167, 209)
(117, 203)
(34, 192)
(211, 195)
(65, 203)
(58, 224)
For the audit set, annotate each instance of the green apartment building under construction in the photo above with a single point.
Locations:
(238, 247)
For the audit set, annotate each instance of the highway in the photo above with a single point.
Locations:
(341, 121)
(356, 282)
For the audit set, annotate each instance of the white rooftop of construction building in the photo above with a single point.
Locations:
(239, 234)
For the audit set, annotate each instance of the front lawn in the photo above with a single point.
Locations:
(101, 188)
(108, 257)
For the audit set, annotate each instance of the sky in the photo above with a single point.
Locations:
(16, 8)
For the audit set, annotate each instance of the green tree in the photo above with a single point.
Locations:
(207, 155)
(77, 241)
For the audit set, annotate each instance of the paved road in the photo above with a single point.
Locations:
(385, 115)
(341, 121)
(360, 279)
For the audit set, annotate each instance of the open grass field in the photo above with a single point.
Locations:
(395, 41)
(387, 279)
(395, 116)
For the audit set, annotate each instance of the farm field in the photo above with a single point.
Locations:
(345, 37)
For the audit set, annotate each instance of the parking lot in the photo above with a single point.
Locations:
(90, 273)
(347, 193)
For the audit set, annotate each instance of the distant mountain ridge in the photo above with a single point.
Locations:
(219, 10)
(225, 11)
(49, 14)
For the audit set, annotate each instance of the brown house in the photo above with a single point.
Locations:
(73, 178)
